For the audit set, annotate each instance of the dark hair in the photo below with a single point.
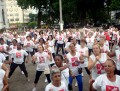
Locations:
(42, 40)
(49, 36)
(59, 56)
(14, 40)
(1, 39)
(115, 71)
(69, 39)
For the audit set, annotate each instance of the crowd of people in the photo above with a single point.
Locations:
(61, 56)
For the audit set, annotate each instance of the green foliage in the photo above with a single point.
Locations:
(32, 24)
(115, 5)
(33, 17)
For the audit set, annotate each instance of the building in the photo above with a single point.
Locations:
(15, 14)
(3, 18)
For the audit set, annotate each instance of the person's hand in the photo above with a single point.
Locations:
(90, 81)
(97, 58)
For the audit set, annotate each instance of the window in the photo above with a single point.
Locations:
(11, 19)
(16, 14)
(3, 16)
(11, 14)
(16, 19)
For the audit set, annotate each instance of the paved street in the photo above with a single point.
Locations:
(18, 81)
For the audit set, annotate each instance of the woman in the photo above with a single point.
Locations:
(18, 60)
(95, 63)
(3, 81)
(84, 56)
(63, 68)
(109, 81)
(90, 42)
(56, 84)
(51, 45)
(117, 55)
(60, 42)
(41, 59)
(73, 58)
(29, 45)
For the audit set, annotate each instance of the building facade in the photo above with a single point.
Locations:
(3, 18)
(15, 14)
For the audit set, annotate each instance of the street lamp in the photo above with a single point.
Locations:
(61, 20)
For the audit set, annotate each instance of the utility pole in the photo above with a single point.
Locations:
(61, 18)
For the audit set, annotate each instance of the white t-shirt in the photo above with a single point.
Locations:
(30, 45)
(4, 46)
(2, 58)
(73, 65)
(98, 69)
(51, 45)
(41, 61)
(105, 49)
(90, 42)
(18, 56)
(117, 52)
(60, 39)
(105, 84)
(2, 74)
(1, 65)
(51, 87)
(83, 52)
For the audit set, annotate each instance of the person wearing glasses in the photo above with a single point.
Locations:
(56, 84)
(108, 81)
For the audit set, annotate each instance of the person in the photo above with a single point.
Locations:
(3, 81)
(63, 67)
(56, 84)
(73, 60)
(51, 45)
(116, 54)
(84, 55)
(18, 60)
(95, 63)
(41, 58)
(108, 81)
(60, 43)
(90, 42)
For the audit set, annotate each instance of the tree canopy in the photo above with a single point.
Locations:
(73, 10)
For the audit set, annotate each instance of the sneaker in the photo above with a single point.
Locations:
(22, 72)
(76, 84)
(45, 80)
(34, 89)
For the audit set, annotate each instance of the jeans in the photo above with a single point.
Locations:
(79, 81)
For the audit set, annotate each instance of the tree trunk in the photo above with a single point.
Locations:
(39, 18)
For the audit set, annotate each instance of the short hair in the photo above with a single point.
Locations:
(54, 71)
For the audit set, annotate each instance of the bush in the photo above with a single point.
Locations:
(32, 24)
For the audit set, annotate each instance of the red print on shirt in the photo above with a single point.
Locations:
(62, 90)
(112, 88)
(99, 68)
(1, 47)
(18, 55)
(41, 59)
(74, 63)
(60, 38)
(28, 44)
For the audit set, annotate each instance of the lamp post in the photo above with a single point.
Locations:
(61, 20)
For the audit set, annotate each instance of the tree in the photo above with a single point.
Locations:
(40, 5)
(32, 24)
(115, 5)
(33, 17)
